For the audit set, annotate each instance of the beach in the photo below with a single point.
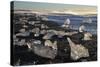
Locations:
(29, 27)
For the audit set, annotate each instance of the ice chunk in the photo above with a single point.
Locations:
(77, 50)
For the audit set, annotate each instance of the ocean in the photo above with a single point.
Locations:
(76, 21)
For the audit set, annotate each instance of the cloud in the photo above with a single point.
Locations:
(75, 12)
(71, 12)
(66, 12)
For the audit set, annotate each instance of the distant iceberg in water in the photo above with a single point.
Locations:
(87, 20)
(66, 23)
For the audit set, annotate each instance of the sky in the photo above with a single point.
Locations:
(55, 8)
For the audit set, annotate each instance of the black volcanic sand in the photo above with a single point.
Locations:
(27, 57)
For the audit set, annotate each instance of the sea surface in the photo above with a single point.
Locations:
(76, 21)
